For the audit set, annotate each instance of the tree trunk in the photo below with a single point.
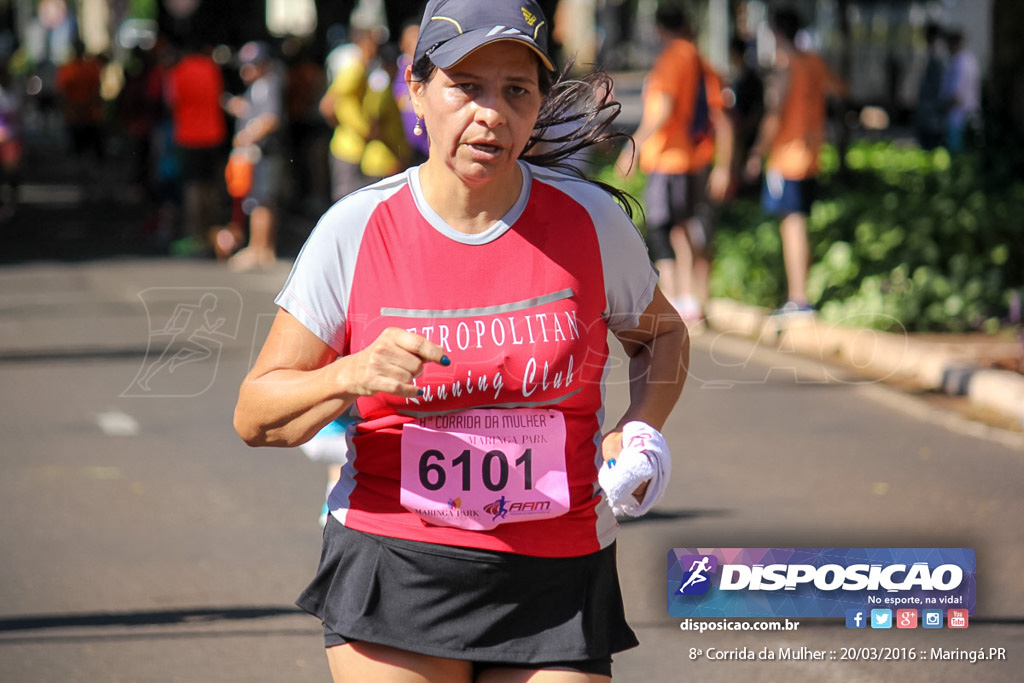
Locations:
(1004, 95)
(1007, 56)
(845, 72)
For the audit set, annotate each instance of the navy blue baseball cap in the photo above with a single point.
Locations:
(451, 29)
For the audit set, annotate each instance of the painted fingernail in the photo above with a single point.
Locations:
(446, 361)
(611, 463)
(419, 393)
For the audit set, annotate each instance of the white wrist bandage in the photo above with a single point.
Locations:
(645, 457)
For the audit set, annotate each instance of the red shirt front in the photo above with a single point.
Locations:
(522, 310)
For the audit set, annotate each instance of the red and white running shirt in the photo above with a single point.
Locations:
(523, 312)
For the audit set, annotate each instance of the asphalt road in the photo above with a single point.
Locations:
(142, 541)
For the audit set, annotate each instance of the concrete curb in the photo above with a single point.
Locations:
(949, 367)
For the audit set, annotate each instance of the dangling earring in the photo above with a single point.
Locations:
(417, 130)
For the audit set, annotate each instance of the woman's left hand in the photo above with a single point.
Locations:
(611, 446)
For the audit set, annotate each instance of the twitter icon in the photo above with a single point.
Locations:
(881, 618)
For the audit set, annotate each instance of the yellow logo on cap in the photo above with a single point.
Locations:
(530, 18)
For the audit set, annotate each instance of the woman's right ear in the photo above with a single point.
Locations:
(409, 81)
(416, 91)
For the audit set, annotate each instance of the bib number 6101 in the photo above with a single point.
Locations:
(484, 467)
(494, 469)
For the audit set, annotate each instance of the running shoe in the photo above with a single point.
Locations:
(792, 308)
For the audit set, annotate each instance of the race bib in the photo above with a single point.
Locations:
(481, 468)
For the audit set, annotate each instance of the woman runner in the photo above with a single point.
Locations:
(463, 307)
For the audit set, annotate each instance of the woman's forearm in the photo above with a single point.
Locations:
(286, 407)
(658, 371)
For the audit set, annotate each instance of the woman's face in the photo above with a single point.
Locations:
(480, 113)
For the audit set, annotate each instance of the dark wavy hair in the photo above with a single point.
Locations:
(575, 114)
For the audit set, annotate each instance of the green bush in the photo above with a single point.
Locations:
(915, 239)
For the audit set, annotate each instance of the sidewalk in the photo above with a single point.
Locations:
(960, 365)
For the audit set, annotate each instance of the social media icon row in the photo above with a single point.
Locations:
(905, 618)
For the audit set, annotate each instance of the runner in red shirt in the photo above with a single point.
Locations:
(194, 93)
(463, 309)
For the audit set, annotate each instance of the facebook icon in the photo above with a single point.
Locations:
(856, 618)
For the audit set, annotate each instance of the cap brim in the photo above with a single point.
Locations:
(454, 50)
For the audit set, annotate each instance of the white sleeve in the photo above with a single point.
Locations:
(629, 276)
(318, 288)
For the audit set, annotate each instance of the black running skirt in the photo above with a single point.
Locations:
(465, 603)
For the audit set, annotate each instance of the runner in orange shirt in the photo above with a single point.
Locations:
(685, 142)
(791, 134)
